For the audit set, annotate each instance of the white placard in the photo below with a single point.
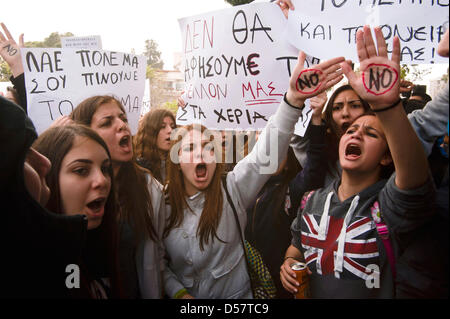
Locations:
(57, 80)
(327, 28)
(93, 42)
(237, 65)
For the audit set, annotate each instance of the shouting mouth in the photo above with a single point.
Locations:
(352, 151)
(96, 206)
(200, 171)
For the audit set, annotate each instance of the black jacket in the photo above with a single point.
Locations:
(36, 245)
(268, 226)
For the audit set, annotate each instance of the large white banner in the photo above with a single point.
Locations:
(327, 28)
(57, 80)
(237, 67)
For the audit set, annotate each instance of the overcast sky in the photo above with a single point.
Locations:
(123, 25)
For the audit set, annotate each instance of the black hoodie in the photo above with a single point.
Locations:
(36, 245)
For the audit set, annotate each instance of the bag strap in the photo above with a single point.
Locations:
(224, 182)
(383, 232)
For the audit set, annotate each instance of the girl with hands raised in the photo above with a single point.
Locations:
(379, 85)
(208, 261)
(351, 232)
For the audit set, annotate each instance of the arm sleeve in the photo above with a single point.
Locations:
(299, 145)
(19, 86)
(431, 121)
(312, 175)
(406, 210)
(252, 172)
(297, 232)
(171, 283)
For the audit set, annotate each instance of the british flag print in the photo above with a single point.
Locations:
(360, 250)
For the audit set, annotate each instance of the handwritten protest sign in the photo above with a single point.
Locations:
(57, 80)
(237, 67)
(327, 28)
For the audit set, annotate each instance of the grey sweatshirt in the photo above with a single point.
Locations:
(219, 271)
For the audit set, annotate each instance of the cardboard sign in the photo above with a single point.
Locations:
(57, 80)
(237, 66)
(327, 28)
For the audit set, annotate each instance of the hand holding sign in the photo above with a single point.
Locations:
(10, 51)
(307, 83)
(379, 81)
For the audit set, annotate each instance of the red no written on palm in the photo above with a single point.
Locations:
(310, 82)
(379, 80)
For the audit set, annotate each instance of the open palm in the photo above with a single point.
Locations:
(379, 80)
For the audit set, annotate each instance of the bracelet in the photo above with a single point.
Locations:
(387, 107)
(295, 107)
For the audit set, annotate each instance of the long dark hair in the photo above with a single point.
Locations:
(131, 181)
(332, 137)
(100, 254)
(146, 137)
(212, 209)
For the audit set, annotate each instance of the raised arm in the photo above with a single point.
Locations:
(252, 172)
(379, 85)
(10, 52)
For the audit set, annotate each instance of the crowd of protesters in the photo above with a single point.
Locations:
(160, 214)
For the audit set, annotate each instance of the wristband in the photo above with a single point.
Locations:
(180, 293)
(387, 107)
(295, 107)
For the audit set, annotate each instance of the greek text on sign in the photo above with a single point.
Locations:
(237, 65)
(57, 80)
(319, 27)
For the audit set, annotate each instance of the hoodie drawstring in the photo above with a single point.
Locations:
(323, 227)
(339, 260)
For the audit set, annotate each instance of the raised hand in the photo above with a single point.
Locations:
(307, 83)
(285, 5)
(379, 81)
(10, 51)
(406, 86)
(317, 103)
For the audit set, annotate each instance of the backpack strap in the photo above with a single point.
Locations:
(383, 232)
(305, 199)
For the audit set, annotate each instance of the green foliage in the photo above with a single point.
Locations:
(404, 70)
(238, 2)
(153, 54)
(52, 41)
(171, 106)
(414, 72)
(445, 77)
(5, 71)
(150, 73)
